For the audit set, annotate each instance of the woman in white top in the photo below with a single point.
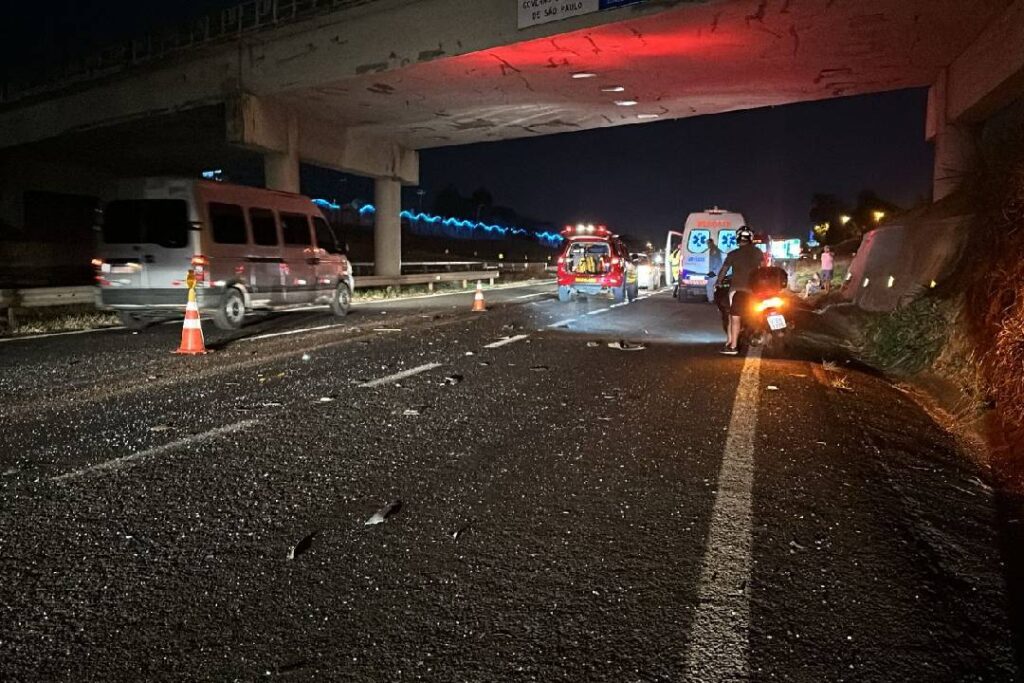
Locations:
(826, 269)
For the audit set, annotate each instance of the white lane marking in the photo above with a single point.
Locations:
(288, 333)
(510, 340)
(124, 461)
(719, 644)
(60, 334)
(528, 296)
(619, 305)
(399, 375)
(599, 311)
(563, 323)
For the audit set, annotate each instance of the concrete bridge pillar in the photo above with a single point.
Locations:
(281, 168)
(284, 137)
(387, 230)
(955, 158)
(955, 142)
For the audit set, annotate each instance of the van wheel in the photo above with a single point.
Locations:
(564, 294)
(135, 321)
(342, 300)
(231, 312)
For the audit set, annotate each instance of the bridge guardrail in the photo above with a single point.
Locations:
(227, 24)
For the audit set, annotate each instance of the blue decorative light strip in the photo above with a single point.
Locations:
(551, 238)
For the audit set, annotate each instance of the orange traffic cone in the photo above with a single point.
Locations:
(479, 305)
(192, 343)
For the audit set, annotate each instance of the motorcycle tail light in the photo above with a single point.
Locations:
(771, 302)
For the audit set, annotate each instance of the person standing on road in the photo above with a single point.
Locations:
(714, 264)
(674, 264)
(827, 263)
(742, 261)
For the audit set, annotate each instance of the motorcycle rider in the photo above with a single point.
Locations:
(742, 262)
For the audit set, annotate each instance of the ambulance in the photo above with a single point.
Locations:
(693, 262)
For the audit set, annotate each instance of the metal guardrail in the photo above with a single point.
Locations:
(365, 268)
(518, 267)
(47, 296)
(13, 299)
(217, 27)
(426, 279)
(44, 297)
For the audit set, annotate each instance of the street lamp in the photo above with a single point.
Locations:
(844, 219)
(878, 216)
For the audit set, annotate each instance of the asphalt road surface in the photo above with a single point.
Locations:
(550, 507)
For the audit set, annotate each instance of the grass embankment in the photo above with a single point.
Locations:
(806, 269)
(58, 319)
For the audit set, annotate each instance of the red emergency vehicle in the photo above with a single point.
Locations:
(594, 261)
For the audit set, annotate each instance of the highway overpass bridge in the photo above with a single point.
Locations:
(362, 85)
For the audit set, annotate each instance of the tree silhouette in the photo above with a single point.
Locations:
(836, 222)
(482, 201)
(826, 214)
(449, 202)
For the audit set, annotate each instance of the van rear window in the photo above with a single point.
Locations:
(163, 222)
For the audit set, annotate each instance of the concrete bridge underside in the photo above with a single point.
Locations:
(361, 90)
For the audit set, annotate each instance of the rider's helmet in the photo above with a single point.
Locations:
(744, 235)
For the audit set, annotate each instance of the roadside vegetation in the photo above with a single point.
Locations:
(58, 319)
(912, 338)
(993, 278)
(806, 269)
(969, 332)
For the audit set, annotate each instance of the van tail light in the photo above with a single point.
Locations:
(561, 260)
(616, 261)
(101, 268)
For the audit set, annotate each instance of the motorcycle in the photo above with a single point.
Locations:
(764, 323)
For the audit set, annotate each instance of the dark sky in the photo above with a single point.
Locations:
(35, 33)
(641, 179)
(765, 163)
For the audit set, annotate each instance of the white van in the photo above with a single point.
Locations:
(717, 224)
(250, 249)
